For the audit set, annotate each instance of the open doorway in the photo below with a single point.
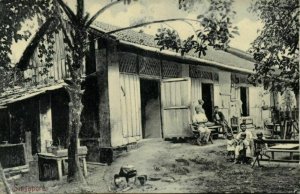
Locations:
(207, 96)
(245, 100)
(150, 108)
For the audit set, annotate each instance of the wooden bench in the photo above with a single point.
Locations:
(291, 152)
(215, 131)
(283, 146)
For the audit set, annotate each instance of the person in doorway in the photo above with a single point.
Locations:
(219, 119)
(199, 120)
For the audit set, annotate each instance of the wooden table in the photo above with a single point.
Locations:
(284, 148)
(51, 165)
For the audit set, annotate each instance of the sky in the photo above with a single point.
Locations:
(148, 10)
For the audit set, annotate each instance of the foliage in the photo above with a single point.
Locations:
(10, 77)
(276, 49)
(12, 17)
(215, 29)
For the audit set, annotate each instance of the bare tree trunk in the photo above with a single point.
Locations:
(75, 107)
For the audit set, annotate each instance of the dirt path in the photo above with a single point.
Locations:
(185, 168)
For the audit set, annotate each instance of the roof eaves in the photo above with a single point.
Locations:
(103, 32)
(187, 57)
(240, 53)
(28, 94)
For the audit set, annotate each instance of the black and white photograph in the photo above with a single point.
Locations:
(149, 96)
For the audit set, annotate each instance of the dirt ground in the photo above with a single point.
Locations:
(180, 168)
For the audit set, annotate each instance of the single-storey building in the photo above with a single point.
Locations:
(147, 93)
(134, 91)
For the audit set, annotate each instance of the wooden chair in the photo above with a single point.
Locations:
(235, 124)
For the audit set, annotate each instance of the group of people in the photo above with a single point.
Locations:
(200, 120)
(240, 147)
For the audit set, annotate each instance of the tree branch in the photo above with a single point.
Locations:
(67, 10)
(194, 30)
(27, 54)
(80, 9)
(152, 22)
(68, 40)
(101, 11)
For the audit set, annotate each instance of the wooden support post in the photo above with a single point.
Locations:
(291, 155)
(59, 169)
(103, 99)
(114, 94)
(109, 94)
(285, 129)
(84, 167)
(28, 145)
(45, 117)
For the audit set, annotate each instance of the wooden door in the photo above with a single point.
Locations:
(176, 113)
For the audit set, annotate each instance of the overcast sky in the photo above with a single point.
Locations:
(123, 16)
(126, 15)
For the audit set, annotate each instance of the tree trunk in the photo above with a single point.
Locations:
(75, 107)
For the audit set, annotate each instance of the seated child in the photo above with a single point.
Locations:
(231, 144)
(241, 149)
(243, 128)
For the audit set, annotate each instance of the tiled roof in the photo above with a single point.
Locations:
(233, 57)
(19, 94)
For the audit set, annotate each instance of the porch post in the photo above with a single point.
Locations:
(45, 121)
(103, 99)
